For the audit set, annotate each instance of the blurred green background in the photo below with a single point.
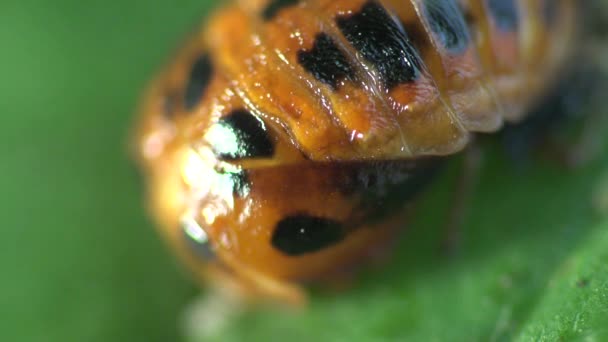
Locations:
(80, 261)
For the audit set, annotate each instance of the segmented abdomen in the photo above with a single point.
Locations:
(387, 79)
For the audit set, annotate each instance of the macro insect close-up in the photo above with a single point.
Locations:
(285, 142)
(320, 170)
(277, 140)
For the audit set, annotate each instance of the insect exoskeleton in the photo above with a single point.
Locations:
(286, 139)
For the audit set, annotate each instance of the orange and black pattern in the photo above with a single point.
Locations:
(277, 142)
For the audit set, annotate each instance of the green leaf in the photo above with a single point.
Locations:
(574, 305)
(81, 262)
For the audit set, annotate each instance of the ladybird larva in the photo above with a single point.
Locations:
(276, 142)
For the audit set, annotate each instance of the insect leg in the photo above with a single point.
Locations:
(461, 198)
(568, 124)
(591, 140)
(580, 138)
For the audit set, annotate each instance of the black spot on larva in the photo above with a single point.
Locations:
(448, 23)
(240, 183)
(384, 187)
(240, 135)
(505, 14)
(326, 62)
(301, 234)
(197, 241)
(275, 6)
(469, 18)
(198, 80)
(383, 42)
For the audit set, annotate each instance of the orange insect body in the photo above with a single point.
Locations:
(276, 142)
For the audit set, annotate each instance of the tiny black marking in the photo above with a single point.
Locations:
(301, 234)
(198, 80)
(240, 183)
(469, 18)
(505, 14)
(275, 6)
(240, 135)
(197, 241)
(448, 23)
(326, 62)
(383, 42)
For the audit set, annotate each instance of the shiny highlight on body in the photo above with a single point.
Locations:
(288, 139)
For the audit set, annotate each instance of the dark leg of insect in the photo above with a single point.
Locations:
(461, 198)
(587, 146)
(569, 125)
(592, 139)
(590, 123)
